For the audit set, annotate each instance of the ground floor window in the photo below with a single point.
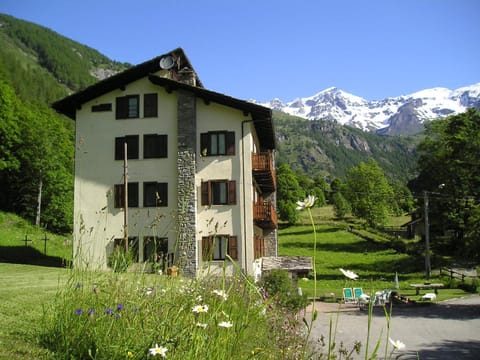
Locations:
(218, 246)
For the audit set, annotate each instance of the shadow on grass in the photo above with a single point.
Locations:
(359, 246)
(308, 231)
(29, 256)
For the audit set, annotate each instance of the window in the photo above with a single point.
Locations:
(217, 143)
(217, 247)
(119, 194)
(218, 192)
(155, 194)
(155, 146)
(127, 107)
(155, 248)
(101, 107)
(150, 105)
(132, 147)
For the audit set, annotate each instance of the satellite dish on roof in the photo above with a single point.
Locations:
(167, 62)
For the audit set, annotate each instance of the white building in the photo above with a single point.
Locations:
(199, 166)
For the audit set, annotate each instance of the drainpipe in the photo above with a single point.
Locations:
(244, 199)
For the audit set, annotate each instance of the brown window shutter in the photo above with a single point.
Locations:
(150, 105)
(207, 248)
(204, 144)
(118, 196)
(232, 247)
(230, 143)
(120, 148)
(232, 194)
(205, 189)
(121, 108)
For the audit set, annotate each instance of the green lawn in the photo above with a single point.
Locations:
(24, 290)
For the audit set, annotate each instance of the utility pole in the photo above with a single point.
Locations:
(427, 235)
(125, 199)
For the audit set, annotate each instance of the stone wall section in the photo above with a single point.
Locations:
(186, 168)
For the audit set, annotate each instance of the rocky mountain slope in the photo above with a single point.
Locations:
(391, 116)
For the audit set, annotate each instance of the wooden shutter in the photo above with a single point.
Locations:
(121, 108)
(163, 139)
(207, 248)
(133, 194)
(118, 196)
(232, 193)
(162, 189)
(230, 140)
(205, 190)
(119, 148)
(204, 144)
(132, 146)
(232, 247)
(150, 105)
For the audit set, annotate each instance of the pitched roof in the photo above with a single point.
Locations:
(262, 116)
(69, 104)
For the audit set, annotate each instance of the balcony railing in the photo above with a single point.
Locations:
(265, 215)
(264, 171)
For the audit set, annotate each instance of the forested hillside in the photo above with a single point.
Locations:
(44, 66)
(39, 66)
(326, 149)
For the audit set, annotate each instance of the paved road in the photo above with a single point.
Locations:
(447, 330)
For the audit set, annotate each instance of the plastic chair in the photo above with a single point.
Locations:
(348, 296)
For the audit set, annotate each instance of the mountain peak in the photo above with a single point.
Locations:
(348, 109)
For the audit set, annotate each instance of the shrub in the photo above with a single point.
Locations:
(278, 284)
(469, 286)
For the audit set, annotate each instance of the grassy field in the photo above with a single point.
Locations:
(25, 290)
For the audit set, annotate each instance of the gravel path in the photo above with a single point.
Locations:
(444, 330)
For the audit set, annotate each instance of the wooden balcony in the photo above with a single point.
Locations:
(264, 171)
(265, 215)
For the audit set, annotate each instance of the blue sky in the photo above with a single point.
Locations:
(262, 49)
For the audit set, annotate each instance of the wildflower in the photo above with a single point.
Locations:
(158, 350)
(397, 344)
(201, 325)
(91, 311)
(200, 309)
(79, 286)
(349, 274)
(149, 291)
(221, 293)
(119, 307)
(130, 354)
(78, 312)
(108, 311)
(307, 203)
(225, 324)
(199, 298)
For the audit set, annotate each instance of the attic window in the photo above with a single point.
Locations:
(102, 107)
(127, 107)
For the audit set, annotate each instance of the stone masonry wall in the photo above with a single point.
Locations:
(186, 168)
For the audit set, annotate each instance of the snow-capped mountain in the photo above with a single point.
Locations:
(399, 115)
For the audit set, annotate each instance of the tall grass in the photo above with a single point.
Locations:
(118, 316)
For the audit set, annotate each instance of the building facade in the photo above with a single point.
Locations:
(178, 174)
